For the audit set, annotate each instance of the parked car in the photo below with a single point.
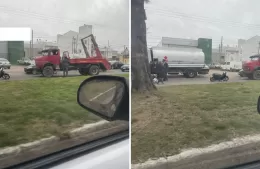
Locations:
(217, 65)
(31, 69)
(4, 63)
(125, 68)
(24, 61)
(212, 66)
(116, 65)
(241, 73)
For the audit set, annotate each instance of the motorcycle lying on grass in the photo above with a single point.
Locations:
(3, 74)
(219, 77)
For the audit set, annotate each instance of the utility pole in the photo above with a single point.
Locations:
(258, 47)
(108, 47)
(32, 46)
(72, 45)
(221, 47)
(77, 43)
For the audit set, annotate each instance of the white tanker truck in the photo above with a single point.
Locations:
(181, 60)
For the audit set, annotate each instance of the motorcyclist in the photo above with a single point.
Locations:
(160, 72)
(1, 71)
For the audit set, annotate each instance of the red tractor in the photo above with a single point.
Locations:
(50, 61)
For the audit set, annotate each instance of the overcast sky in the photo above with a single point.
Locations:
(232, 19)
(110, 18)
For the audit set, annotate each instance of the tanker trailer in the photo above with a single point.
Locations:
(189, 61)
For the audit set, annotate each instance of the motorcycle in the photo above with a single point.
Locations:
(219, 77)
(3, 74)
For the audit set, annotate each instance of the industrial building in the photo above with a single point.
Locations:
(241, 52)
(12, 50)
(226, 54)
(71, 42)
(249, 47)
(201, 43)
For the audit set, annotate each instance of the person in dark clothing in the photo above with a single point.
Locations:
(165, 65)
(160, 72)
(65, 65)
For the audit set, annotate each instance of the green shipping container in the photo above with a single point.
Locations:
(15, 51)
(206, 46)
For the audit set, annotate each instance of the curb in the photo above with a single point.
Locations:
(89, 132)
(225, 154)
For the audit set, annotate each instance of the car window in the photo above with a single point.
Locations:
(39, 102)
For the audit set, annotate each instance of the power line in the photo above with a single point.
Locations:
(20, 12)
(203, 19)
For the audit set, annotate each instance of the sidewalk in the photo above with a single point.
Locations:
(226, 154)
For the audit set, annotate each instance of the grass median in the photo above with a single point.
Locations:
(191, 116)
(38, 108)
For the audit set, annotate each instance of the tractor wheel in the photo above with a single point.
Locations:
(48, 71)
(83, 71)
(93, 70)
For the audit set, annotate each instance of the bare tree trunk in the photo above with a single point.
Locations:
(141, 72)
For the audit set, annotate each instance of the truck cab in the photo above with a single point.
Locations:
(251, 67)
(48, 57)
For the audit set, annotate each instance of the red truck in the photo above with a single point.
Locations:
(251, 68)
(50, 61)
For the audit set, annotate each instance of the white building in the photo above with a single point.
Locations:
(249, 47)
(231, 54)
(33, 50)
(71, 41)
(173, 42)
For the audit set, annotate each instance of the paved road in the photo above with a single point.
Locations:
(17, 73)
(201, 79)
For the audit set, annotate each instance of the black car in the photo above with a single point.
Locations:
(31, 69)
(124, 68)
(117, 65)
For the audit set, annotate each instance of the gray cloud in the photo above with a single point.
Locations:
(110, 18)
(231, 19)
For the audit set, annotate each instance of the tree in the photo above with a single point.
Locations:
(141, 72)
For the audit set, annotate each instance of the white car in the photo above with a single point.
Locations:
(5, 63)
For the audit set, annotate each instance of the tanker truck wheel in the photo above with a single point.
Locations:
(191, 74)
(93, 70)
(83, 71)
(48, 71)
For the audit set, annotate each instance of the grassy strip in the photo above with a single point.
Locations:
(179, 117)
(38, 108)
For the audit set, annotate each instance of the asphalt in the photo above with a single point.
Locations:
(202, 79)
(17, 73)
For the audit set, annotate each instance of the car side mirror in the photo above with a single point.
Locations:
(258, 105)
(105, 96)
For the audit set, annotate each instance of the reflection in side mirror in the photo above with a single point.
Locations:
(103, 95)
(258, 105)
